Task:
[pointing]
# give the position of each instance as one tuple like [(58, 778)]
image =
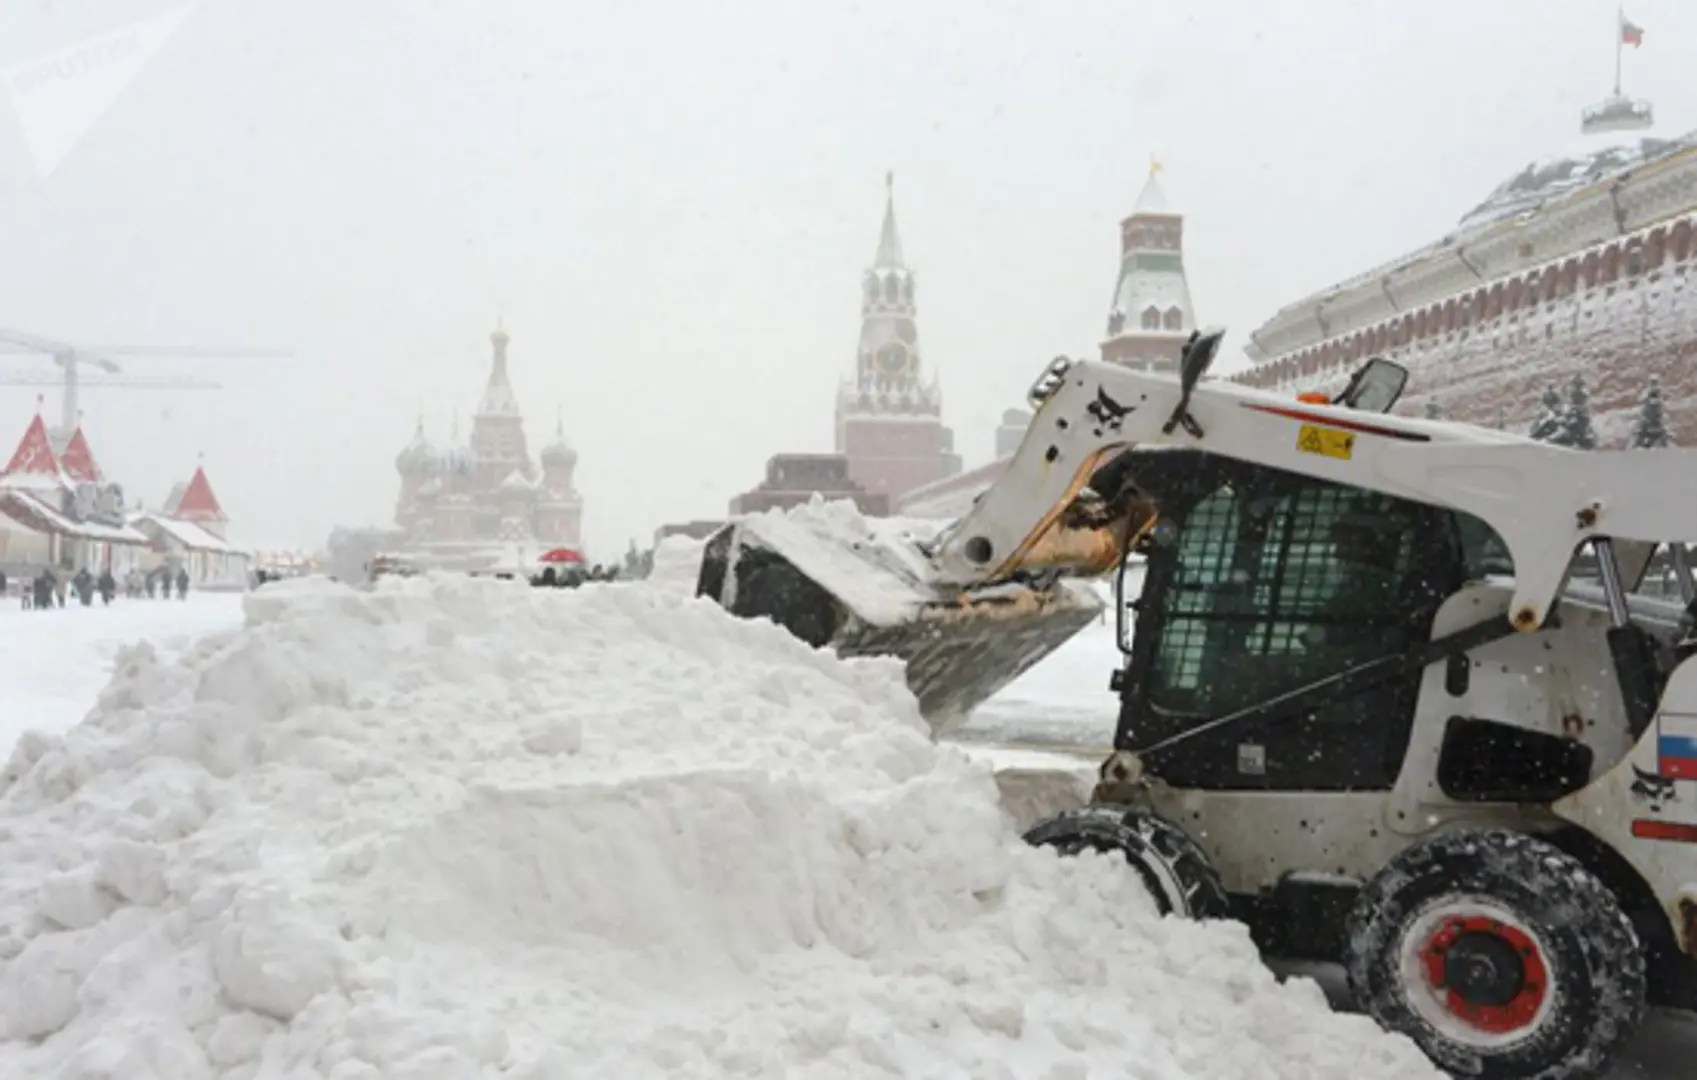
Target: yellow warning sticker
[(1327, 442)]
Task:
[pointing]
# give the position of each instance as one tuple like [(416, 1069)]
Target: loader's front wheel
[(1502, 956), (1173, 868)]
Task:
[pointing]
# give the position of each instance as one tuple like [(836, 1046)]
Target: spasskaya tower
[(889, 414)]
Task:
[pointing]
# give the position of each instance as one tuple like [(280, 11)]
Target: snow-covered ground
[(53, 664), (469, 829), (463, 828), (1063, 701)]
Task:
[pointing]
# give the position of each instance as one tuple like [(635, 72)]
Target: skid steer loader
[(1366, 707)]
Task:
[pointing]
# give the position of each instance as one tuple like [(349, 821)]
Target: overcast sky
[(670, 205)]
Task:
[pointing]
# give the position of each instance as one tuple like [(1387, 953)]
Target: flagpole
[(1620, 44)]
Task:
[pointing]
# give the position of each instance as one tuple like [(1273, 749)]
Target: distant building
[(1011, 432), (889, 414), (1579, 264), (470, 505), (194, 502), (60, 510), (1151, 315), (794, 479), (1149, 321), (349, 551), (187, 533)]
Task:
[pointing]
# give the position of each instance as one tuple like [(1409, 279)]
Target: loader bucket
[(869, 599)]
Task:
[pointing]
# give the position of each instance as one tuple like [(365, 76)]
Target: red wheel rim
[(1504, 1019)]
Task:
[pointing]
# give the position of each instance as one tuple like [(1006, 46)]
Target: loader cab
[(1260, 581)]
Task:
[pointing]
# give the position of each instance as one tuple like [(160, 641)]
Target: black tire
[(1501, 955), (1175, 870)]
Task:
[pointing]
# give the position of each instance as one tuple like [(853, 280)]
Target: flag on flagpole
[(1630, 33)]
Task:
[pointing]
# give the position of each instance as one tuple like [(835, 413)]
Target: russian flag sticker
[(1676, 745)]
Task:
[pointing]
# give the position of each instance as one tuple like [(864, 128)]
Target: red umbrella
[(561, 555)]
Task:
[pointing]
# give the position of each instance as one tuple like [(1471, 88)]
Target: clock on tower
[(893, 359)]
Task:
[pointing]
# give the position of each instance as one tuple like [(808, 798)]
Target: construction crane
[(71, 358)]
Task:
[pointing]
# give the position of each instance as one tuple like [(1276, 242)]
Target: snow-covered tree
[(1649, 429), (1547, 425), (1576, 429)]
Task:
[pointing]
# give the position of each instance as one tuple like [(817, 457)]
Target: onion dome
[(559, 453), (515, 485), (458, 459), (419, 457)]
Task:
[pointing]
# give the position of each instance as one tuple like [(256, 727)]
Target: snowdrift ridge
[(461, 828)]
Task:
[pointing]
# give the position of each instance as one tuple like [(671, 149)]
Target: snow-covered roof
[(515, 481), (77, 459), (50, 484), (1152, 200), (187, 533), (196, 499), (34, 457), (15, 502), (1588, 164), (1152, 279), (1578, 166)]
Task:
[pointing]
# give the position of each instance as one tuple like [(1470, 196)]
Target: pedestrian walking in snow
[(108, 585), (83, 583), (182, 584)]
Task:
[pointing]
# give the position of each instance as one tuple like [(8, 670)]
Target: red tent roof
[(35, 452), (78, 459), (198, 500)]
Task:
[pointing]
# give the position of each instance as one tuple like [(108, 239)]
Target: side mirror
[(1375, 387), (1198, 357), (1199, 353)]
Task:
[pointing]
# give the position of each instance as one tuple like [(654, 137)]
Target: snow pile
[(449, 828), (677, 565), (818, 529), (873, 565)]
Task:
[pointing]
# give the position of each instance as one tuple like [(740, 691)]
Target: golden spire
[(1154, 166)]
